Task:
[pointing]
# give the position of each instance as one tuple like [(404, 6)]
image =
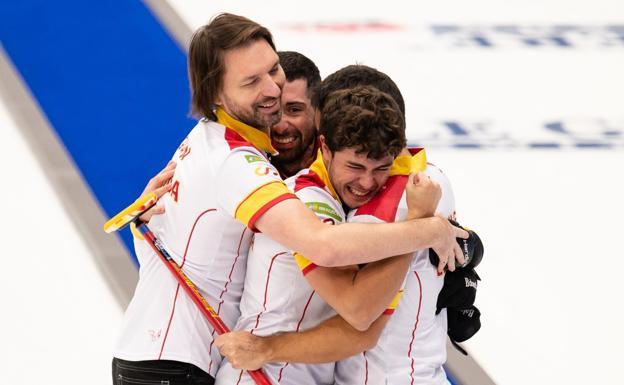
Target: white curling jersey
[(277, 297), (223, 183), (412, 347)]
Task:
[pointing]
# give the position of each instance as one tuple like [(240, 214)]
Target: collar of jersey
[(250, 134), (407, 164), (318, 167)]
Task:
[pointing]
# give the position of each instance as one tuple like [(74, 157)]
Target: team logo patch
[(262, 171), (184, 149), (324, 209), (253, 158)]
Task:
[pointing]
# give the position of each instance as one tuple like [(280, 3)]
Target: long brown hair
[(206, 56)]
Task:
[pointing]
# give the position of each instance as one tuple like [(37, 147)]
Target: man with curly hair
[(414, 328), (224, 190), (361, 133)]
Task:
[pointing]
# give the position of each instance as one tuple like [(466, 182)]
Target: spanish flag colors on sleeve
[(247, 183), (395, 302), (305, 265)]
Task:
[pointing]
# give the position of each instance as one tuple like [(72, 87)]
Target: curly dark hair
[(357, 75), (365, 119)]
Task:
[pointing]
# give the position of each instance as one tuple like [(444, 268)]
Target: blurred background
[(521, 103)]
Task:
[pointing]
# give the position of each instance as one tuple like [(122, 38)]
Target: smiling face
[(295, 133), (252, 85), (355, 177)]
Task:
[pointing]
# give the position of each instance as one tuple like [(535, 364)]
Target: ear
[(325, 151), (219, 100)]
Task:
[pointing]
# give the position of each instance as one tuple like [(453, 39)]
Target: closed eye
[(251, 82)]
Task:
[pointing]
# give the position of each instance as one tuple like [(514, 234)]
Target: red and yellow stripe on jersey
[(260, 200), (266, 195), (317, 176), (395, 302), (305, 265), (250, 135)]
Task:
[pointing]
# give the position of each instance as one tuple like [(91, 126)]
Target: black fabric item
[(463, 323), (158, 372), (459, 290), (474, 244), (472, 248)]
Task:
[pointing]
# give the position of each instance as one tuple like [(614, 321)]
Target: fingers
[(162, 179), (160, 191), (423, 195), (415, 177), (442, 263), (452, 256), (239, 348), (459, 255), (451, 262), (220, 341), (157, 209), (169, 167), (460, 233)]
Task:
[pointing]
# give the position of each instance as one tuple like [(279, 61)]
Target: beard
[(254, 117), (296, 153)]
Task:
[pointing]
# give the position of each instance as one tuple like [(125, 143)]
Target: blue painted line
[(111, 82), (468, 145), (544, 145), (451, 378), (593, 145)]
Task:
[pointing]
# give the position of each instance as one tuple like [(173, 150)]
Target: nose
[(272, 89), (274, 84), (367, 181), (281, 126)]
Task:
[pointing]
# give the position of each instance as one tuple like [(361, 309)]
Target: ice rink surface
[(59, 315), (550, 218)]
